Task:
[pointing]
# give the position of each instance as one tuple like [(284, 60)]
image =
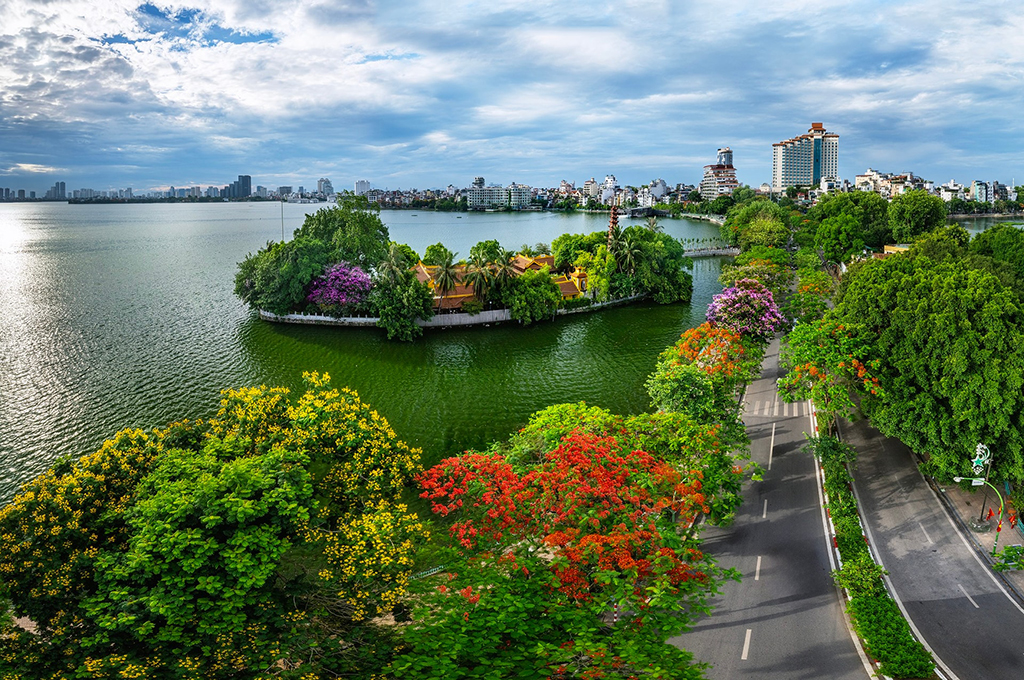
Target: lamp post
[(978, 482)]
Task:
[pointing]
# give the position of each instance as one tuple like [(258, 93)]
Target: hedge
[(876, 618)]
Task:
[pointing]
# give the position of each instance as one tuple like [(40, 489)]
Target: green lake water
[(114, 316)]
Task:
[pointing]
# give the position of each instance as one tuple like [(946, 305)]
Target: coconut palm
[(652, 223), (503, 270), (394, 266), (445, 277), (630, 252), (480, 275)]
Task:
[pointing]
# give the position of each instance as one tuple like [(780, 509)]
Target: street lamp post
[(978, 482)]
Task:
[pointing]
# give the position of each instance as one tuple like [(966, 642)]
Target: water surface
[(123, 315)]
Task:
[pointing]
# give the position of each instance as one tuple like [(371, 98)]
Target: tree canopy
[(913, 213), (272, 536)]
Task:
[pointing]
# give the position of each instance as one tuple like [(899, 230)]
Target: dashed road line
[(968, 596), (746, 646)]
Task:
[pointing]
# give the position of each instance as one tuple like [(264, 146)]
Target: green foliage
[(949, 341), (532, 296), (437, 253), (771, 230), (271, 534), (353, 228), (839, 238), (763, 254), (914, 213), (1002, 242), (1010, 557), (410, 255), (767, 232), (278, 276), (472, 306), (828, 362), (876, 617), (809, 301), (486, 251), (398, 304), (868, 210)]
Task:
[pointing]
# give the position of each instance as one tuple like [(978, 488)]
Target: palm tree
[(504, 272), (630, 251), (394, 266), (446, 277), (480, 275), (652, 223)]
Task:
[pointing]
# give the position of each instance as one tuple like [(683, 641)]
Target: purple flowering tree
[(341, 288), (747, 308)]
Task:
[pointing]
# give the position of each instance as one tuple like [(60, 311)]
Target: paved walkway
[(960, 608)]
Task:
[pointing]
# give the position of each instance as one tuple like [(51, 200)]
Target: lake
[(121, 316)]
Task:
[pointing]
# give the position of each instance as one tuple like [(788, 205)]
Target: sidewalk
[(965, 507)]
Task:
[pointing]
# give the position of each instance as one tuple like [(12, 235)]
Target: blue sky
[(108, 94)]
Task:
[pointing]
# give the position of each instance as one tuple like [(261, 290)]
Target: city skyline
[(413, 94)]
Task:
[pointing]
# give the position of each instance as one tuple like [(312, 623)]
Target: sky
[(110, 94)]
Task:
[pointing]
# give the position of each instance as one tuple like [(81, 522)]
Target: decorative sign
[(982, 455), (977, 482)]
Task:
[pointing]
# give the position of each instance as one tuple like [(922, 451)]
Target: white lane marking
[(764, 513), (804, 409), (771, 447), (965, 595), (746, 646), (925, 533), (785, 409), (757, 569), (776, 407), (892, 588)]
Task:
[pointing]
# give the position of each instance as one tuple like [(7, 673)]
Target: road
[(956, 603), (785, 619)]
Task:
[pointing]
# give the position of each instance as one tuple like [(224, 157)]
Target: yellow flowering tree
[(268, 541)]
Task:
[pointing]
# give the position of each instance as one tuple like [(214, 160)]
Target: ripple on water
[(123, 316)]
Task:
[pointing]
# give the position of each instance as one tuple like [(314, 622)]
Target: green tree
[(913, 213), (395, 265), (868, 208), (761, 231), (277, 277), (270, 537), (446, 276), (353, 228), (739, 219), (839, 238), (949, 340), (532, 296), (487, 251), (480, 275), (1003, 242), (398, 304), (436, 254)]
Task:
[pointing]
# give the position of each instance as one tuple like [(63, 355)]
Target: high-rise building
[(362, 187), (720, 177), (478, 182), (324, 186), (806, 160)]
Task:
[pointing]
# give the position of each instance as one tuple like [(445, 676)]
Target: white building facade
[(806, 160)]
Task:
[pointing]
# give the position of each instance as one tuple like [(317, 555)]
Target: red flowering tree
[(586, 541), (701, 376)]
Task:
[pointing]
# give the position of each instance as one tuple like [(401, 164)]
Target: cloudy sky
[(409, 93)]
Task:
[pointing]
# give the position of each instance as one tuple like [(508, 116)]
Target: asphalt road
[(956, 603), (785, 619)]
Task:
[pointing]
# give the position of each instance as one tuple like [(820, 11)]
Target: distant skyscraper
[(244, 187), (362, 187), (719, 178), (324, 186), (806, 160), (478, 182)]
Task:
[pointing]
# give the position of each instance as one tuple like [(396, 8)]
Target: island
[(342, 268)]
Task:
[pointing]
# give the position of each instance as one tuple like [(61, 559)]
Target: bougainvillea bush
[(342, 288), (748, 308)]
